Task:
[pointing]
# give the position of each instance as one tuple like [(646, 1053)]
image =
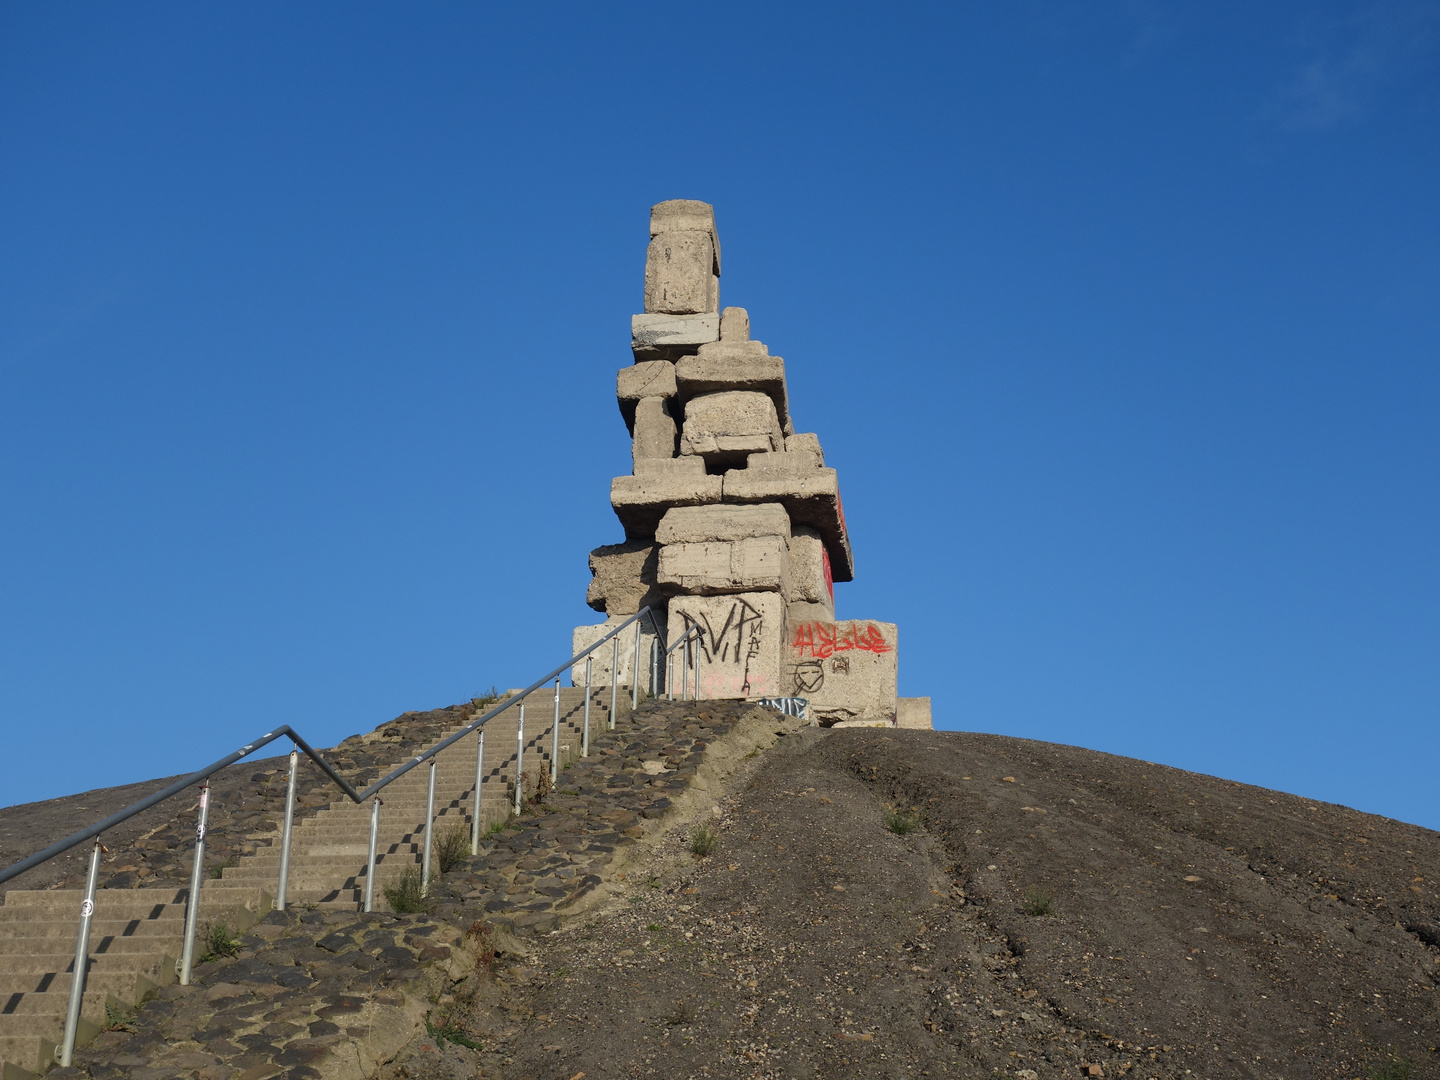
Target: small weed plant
[(218, 870), (702, 841), (119, 1018), (405, 894), (1037, 902), (452, 847), (901, 822), (1389, 1067), (484, 940), (447, 1029), (489, 697), (221, 940)]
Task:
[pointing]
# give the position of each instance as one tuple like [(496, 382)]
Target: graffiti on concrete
[(823, 640), (809, 677), (737, 642)]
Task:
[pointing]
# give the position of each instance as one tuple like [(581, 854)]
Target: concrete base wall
[(847, 669), (742, 641)]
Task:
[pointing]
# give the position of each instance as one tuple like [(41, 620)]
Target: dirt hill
[(1060, 913), (902, 904)]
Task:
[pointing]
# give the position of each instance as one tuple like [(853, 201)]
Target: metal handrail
[(685, 684), (178, 786), (65, 1051)]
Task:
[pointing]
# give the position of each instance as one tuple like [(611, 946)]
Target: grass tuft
[(489, 697), (221, 940), (1389, 1067), (1037, 902), (901, 822), (452, 847), (702, 840), (405, 895)]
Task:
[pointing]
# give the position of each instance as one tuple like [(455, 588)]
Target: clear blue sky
[(1119, 320)]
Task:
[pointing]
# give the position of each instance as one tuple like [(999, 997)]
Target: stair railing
[(688, 640), (64, 1053)]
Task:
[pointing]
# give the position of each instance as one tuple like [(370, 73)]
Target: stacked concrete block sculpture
[(733, 522)]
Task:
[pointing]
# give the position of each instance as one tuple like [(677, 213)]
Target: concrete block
[(697, 524), (649, 378), (806, 441), (682, 215), (584, 636), (688, 468), (800, 611), (735, 365), (812, 500), (914, 712), (847, 670), (734, 324), (624, 578), (810, 578), (742, 641), (680, 277), (755, 564), (640, 501), (667, 337), (725, 428), (654, 430), (784, 463)]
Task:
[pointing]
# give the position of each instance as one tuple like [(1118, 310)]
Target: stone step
[(64, 947), (128, 987), (28, 968), (24, 1056), (66, 929)]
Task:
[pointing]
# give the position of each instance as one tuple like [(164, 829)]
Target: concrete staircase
[(137, 934), (135, 938), (328, 851)]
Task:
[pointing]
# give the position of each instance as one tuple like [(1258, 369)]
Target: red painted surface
[(822, 640), (829, 577)]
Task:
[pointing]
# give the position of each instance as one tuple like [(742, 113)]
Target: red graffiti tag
[(824, 640)]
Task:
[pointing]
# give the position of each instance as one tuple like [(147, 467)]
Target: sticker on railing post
[(87, 908), (199, 832)]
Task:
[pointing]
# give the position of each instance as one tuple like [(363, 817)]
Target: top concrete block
[(734, 324), (686, 215), (680, 276)]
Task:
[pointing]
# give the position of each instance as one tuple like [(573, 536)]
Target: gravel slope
[(1197, 928)]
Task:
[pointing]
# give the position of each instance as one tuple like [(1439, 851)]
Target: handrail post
[(685, 668), (555, 739), (285, 834), (520, 760), (370, 860), (197, 874), (585, 736), (479, 779), (429, 829), (614, 676), (66, 1050), (635, 670), (697, 667), (669, 677), (655, 665)]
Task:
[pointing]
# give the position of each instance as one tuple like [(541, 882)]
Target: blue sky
[(1119, 321)]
